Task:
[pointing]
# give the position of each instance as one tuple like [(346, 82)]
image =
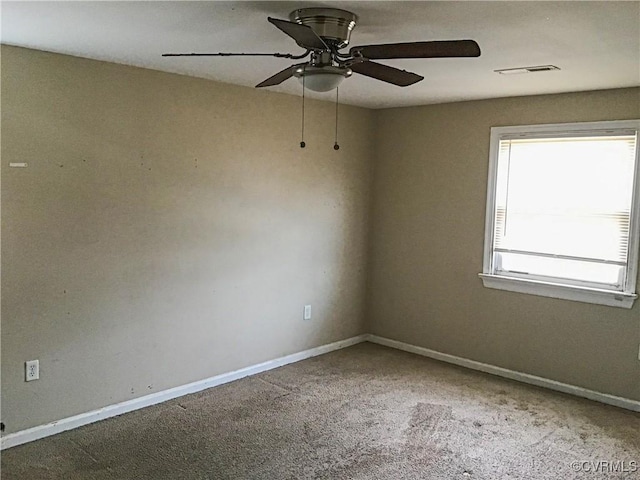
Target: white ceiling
[(596, 44)]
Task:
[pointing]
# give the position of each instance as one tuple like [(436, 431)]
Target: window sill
[(555, 290)]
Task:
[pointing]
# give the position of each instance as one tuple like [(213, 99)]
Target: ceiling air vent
[(536, 68)]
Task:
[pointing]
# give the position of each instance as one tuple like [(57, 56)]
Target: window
[(563, 211)]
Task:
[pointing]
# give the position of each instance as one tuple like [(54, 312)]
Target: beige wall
[(166, 230), (427, 243), (169, 229)]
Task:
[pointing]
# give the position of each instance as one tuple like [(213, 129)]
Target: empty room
[(320, 240)]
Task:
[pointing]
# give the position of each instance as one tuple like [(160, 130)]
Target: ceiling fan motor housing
[(333, 25)]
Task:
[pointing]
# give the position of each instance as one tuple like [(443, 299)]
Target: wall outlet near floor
[(32, 370), (307, 312)]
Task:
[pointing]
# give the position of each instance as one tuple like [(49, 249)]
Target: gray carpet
[(366, 412)]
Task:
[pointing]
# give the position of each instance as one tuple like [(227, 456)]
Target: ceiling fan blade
[(278, 78), (388, 74), (447, 48), (302, 34), (223, 54)]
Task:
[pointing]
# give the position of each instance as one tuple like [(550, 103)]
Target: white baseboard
[(41, 431), (621, 402)]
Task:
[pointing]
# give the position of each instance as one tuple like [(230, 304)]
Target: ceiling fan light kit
[(321, 79)]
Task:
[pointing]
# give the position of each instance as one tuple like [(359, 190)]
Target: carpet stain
[(425, 418)]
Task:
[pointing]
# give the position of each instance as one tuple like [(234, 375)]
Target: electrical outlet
[(307, 312), (32, 370)]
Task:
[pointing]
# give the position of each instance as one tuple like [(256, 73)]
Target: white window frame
[(570, 290)]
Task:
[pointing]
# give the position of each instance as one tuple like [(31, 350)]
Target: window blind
[(563, 205)]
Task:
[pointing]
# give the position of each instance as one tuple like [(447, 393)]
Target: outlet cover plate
[(32, 370), (307, 312)]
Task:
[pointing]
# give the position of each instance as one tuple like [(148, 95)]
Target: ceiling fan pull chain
[(335, 145), (302, 144)]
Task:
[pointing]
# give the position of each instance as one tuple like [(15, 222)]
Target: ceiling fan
[(323, 32)]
